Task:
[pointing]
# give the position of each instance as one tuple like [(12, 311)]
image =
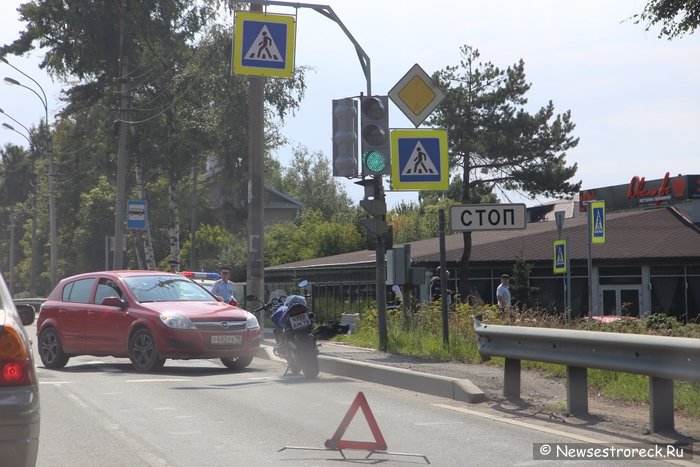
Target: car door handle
[(92, 313)]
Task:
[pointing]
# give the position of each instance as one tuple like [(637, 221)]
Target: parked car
[(19, 391), (147, 316)]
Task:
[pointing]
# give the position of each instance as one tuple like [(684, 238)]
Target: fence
[(663, 359)]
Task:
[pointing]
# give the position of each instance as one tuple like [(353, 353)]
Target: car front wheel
[(237, 363), (50, 349), (143, 353)]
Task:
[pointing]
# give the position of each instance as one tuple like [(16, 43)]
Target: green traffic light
[(374, 161)]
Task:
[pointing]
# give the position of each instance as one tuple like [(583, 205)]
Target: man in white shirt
[(503, 294), (223, 288)]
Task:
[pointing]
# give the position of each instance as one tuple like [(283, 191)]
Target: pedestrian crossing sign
[(264, 44), (419, 160), (560, 256), (597, 213)]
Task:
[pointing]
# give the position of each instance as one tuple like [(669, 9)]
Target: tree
[(419, 222), (309, 179), (185, 109), (677, 17), (94, 224), (495, 142), (314, 237), (520, 283)]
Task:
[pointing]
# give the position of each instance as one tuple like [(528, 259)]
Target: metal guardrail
[(662, 358), (33, 302)]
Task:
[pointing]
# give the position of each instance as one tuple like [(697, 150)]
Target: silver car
[(19, 390)]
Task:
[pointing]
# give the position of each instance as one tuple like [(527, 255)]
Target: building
[(649, 263)]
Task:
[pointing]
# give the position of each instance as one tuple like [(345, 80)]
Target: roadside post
[(596, 234), (443, 281), (562, 262)]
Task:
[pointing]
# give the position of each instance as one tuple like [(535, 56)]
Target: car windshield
[(166, 289)]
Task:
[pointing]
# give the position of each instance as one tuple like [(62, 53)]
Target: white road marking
[(512, 421), (56, 382), (158, 380), (544, 429)]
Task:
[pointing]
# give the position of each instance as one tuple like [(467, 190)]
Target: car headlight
[(176, 320), (251, 322)]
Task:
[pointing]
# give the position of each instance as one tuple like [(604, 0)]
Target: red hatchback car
[(148, 316)]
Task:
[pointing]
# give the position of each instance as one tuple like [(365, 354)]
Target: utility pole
[(12, 250), (255, 271), (121, 151)]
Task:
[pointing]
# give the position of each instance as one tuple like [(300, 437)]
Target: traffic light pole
[(328, 12), (380, 252), (380, 256)]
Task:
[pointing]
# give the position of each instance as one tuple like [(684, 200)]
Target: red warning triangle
[(337, 443)]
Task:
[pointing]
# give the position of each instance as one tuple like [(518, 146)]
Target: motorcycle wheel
[(293, 362), (294, 368), (309, 361), (311, 368)]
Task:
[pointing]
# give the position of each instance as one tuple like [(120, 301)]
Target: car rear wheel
[(237, 363), (143, 353), (50, 349)]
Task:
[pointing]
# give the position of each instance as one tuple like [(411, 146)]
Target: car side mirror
[(114, 301), (26, 314)]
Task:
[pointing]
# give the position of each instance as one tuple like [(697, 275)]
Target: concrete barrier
[(435, 385)]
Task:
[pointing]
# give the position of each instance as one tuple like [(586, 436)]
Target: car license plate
[(233, 339), (299, 321)]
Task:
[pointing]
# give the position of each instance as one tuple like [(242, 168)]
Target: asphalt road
[(98, 411)]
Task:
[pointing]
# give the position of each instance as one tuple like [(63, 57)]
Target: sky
[(633, 96)]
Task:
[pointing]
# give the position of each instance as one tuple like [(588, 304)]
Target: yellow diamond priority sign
[(416, 95)]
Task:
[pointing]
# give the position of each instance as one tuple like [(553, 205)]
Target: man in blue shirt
[(223, 288)]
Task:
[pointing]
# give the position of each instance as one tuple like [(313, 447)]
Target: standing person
[(503, 295), (223, 288), (173, 264), (436, 286)]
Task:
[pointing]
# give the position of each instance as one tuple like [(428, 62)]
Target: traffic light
[(375, 205), (345, 138), (374, 135)]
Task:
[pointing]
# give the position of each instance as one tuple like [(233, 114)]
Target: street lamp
[(52, 169), (34, 244), (11, 128)]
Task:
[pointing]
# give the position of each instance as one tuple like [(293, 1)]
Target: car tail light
[(15, 363)]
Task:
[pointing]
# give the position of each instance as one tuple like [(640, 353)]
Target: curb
[(442, 386)]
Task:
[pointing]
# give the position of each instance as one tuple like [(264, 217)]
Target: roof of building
[(640, 235)]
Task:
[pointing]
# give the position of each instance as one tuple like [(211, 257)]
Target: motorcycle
[(295, 341)]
